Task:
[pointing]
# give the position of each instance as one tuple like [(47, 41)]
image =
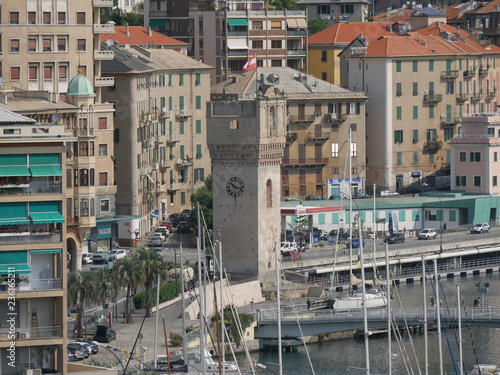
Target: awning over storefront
[(14, 261), (46, 217), (14, 171), (157, 23), (46, 170), (52, 251), (237, 44), (237, 22)]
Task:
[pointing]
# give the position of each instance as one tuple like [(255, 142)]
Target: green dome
[(80, 86)]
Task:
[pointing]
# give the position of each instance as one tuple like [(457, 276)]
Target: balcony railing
[(158, 14), (12, 238), (318, 135), (174, 186), (453, 120), (491, 94), (433, 98), (33, 333), (237, 53), (469, 73), (335, 117), (477, 96), (483, 71), (301, 118), (291, 137), (296, 52), (103, 3), (173, 138), (31, 188), (37, 284), (183, 163), (184, 113), (463, 97), (449, 74), (104, 28), (305, 161), (104, 81), (296, 32), (104, 55)]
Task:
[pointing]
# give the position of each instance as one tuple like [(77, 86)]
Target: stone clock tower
[(246, 138)]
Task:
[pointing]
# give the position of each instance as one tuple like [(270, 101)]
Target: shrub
[(168, 291)]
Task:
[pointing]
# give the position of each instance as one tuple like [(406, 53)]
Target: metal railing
[(37, 284), (29, 237), (32, 188)]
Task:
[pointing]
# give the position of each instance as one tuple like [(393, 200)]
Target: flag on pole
[(250, 64), (358, 265)]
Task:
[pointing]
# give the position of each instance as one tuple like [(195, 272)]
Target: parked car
[(291, 255), (158, 250), (387, 193), (480, 228), (323, 235), (297, 200), (163, 230), (104, 334), (159, 235), (79, 351), (86, 258), (361, 196), (155, 241), (71, 356), (289, 246), (119, 253), (342, 234), (182, 227), (94, 345), (85, 345), (314, 198), (427, 234), (355, 243), (187, 212), (395, 238)]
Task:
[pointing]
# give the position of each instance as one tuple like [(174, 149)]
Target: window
[(324, 76), (46, 18), (462, 156), (103, 149), (170, 83), (415, 66), (335, 150), (398, 136), (82, 69), (415, 111), (399, 158), (31, 18), (431, 88), (415, 136), (495, 181), (197, 80), (181, 79), (431, 65), (256, 25), (276, 62), (450, 87), (448, 134), (431, 111), (198, 102), (181, 102), (83, 149), (347, 8), (461, 180), (354, 127), (477, 180), (63, 72), (84, 177), (80, 18), (61, 18), (415, 88), (181, 127), (354, 149), (399, 113), (495, 156), (398, 66), (104, 205), (103, 122), (354, 108), (81, 45), (415, 157), (431, 134), (32, 44), (48, 71), (275, 25), (475, 156), (14, 46), (14, 18), (399, 89), (324, 56), (61, 44), (47, 44), (198, 126), (33, 71), (257, 44), (183, 197), (199, 154), (275, 43), (199, 175), (103, 178), (323, 9), (15, 73)]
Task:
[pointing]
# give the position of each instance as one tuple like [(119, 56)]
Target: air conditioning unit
[(24, 335), (32, 371)]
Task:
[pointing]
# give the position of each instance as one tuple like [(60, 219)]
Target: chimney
[(150, 32), (127, 31)]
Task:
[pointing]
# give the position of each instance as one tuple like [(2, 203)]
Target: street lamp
[(441, 218)]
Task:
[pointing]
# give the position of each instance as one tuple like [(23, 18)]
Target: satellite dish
[(164, 110), (296, 75), (404, 6), (413, 3), (430, 5), (46, 273), (179, 161), (127, 46), (110, 42), (55, 118)]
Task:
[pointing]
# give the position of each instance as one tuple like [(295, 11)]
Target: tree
[(152, 265), (316, 25), (204, 196), (106, 286), (284, 4), (81, 291), (301, 223), (129, 274)]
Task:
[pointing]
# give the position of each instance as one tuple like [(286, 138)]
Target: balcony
[(491, 94), (335, 117), (104, 81), (159, 14), (237, 53), (300, 33), (30, 333), (463, 97), (173, 139), (475, 97), (42, 186), (304, 162), (182, 113), (453, 120), (318, 136), (297, 52), (104, 55), (30, 236), (104, 28), (301, 118), (483, 71), (433, 98), (237, 33), (103, 3), (449, 74), (174, 187), (29, 285), (291, 137), (469, 73), (184, 163)]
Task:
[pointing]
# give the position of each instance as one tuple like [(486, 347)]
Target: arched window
[(273, 127), (269, 194)]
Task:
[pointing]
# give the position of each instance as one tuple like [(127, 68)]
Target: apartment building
[(316, 159), (484, 20), (336, 11), (225, 35), (51, 65), (160, 131), (33, 249), (474, 165), (420, 85)]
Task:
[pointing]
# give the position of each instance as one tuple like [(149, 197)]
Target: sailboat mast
[(350, 206), (278, 298), (223, 326), (426, 341), (363, 288), (200, 278), (388, 296), (183, 306)]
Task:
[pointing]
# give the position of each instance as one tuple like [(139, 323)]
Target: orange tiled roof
[(396, 16), (488, 8), (347, 32), (413, 45), (138, 36)]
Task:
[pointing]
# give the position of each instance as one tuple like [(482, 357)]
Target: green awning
[(295, 57), (46, 170), (157, 23), (14, 221), (237, 22), (46, 217), (14, 171), (13, 213), (16, 268), (17, 261), (52, 251)]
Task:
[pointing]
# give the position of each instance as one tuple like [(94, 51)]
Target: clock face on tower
[(235, 186)]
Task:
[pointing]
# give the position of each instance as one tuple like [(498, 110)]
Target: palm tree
[(81, 291), (152, 265), (106, 286), (129, 274)]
